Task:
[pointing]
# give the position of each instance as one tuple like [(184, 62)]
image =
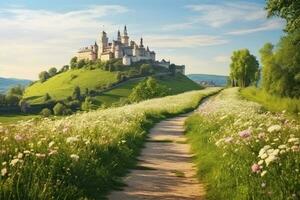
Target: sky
[(201, 34)]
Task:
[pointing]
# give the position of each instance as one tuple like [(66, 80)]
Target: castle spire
[(119, 36), (125, 31), (141, 43)]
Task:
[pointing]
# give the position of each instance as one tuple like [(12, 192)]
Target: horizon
[(201, 36)]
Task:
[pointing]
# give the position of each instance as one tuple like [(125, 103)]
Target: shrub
[(88, 104), (76, 93), (46, 112), (46, 97), (43, 76), (59, 109), (52, 71), (146, 69)]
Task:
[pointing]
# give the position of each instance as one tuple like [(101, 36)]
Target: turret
[(103, 43), (141, 43), (119, 36), (125, 38)]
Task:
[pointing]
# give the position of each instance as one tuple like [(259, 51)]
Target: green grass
[(176, 85), (271, 102), (62, 85), (13, 118)]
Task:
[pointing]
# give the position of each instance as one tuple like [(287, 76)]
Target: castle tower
[(125, 38), (119, 36), (141, 43), (103, 43)]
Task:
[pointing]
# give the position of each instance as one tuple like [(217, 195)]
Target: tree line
[(280, 70)]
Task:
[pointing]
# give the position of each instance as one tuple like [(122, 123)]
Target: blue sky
[(36, 35)]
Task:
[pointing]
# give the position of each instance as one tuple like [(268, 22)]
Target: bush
[(43, 76), (46, 112), (146, 69), (52, 71), (88, 104), (59, 109), (46, 97), (81, 63)]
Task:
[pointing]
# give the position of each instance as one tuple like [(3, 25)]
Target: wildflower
[(52, 152), (255, 168), (26, 152), (20, 155), (245, 133), (263, 185), (74, 157), (295, 148), (51, 144), (72, 139), (260, 162), (3, 172), (270, 159), (263, 173), (274, 128), (283, 146), (18, 138), (261, 135), (40, 155), (14, 162), (294, 140), (4, 163), (228, 139)]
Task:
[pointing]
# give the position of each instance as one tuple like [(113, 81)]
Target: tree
[(146, 69), (147, 89), (73, 63), (43, 76), (281, 66), (46, 112), (76, 93), (286, 9), (243, 68), (88, 104), (59, 109), (12, 100), (52, 71), (46, 97), (24, 105), (16, 90), (81, 63), (119, 76)]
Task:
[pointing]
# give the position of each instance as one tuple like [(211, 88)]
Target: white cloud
[(217, 15), (222, 59), (33, 40), (181, 41), (273, 24)]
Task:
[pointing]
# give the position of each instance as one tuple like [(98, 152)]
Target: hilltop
[(107, 82)]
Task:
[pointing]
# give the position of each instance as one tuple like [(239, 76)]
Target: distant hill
[(6, 83), (218, 80)]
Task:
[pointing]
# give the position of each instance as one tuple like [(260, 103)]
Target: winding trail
[(165, 169)]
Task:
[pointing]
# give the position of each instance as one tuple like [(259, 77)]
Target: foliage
[(80, 156), (43, 76), (147, 89), (272, 102), (281, 66), (76, 93), (11, 100), (239, 146), (16, 90), (88, 104), (81, 63), (47, 97), (243, 68), (60, 109), (286, 9), (24, 105), (52, 71), (146, 69), (46, 112), (73, 63)]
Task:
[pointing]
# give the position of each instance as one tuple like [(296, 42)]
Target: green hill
[(176, 84), (62, 85)]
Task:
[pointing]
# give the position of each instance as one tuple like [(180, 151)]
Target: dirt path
[(165, 169)]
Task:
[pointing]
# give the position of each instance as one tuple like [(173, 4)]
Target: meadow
[(272, 102), (81, 156), (243, 151)]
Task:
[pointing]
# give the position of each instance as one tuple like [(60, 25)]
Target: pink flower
[(255, 168), (245, 133)]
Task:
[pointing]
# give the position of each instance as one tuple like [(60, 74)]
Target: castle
[(129, 52)]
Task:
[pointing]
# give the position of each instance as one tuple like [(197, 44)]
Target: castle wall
[(87, 55)]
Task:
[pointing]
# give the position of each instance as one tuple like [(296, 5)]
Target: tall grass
[(243, 152), (272, 102), (83, 155)]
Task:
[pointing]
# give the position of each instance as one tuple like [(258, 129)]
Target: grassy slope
[(62, 85), (270, 102), (177, 84)]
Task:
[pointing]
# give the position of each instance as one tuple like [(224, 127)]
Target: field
[(61, 86), (243, 151), (13, 118), (176, 85), (271, 102), (83, 155)]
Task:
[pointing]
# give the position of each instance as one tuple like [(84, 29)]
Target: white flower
[(3, 172), (40, 155), (51, 144), (274, 128), (270, 159), (72, 139), (14, 162), (4, 163), (263, 173), (20, 155), (260, 162), (294, 140), (283, 146), (74, 157)]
